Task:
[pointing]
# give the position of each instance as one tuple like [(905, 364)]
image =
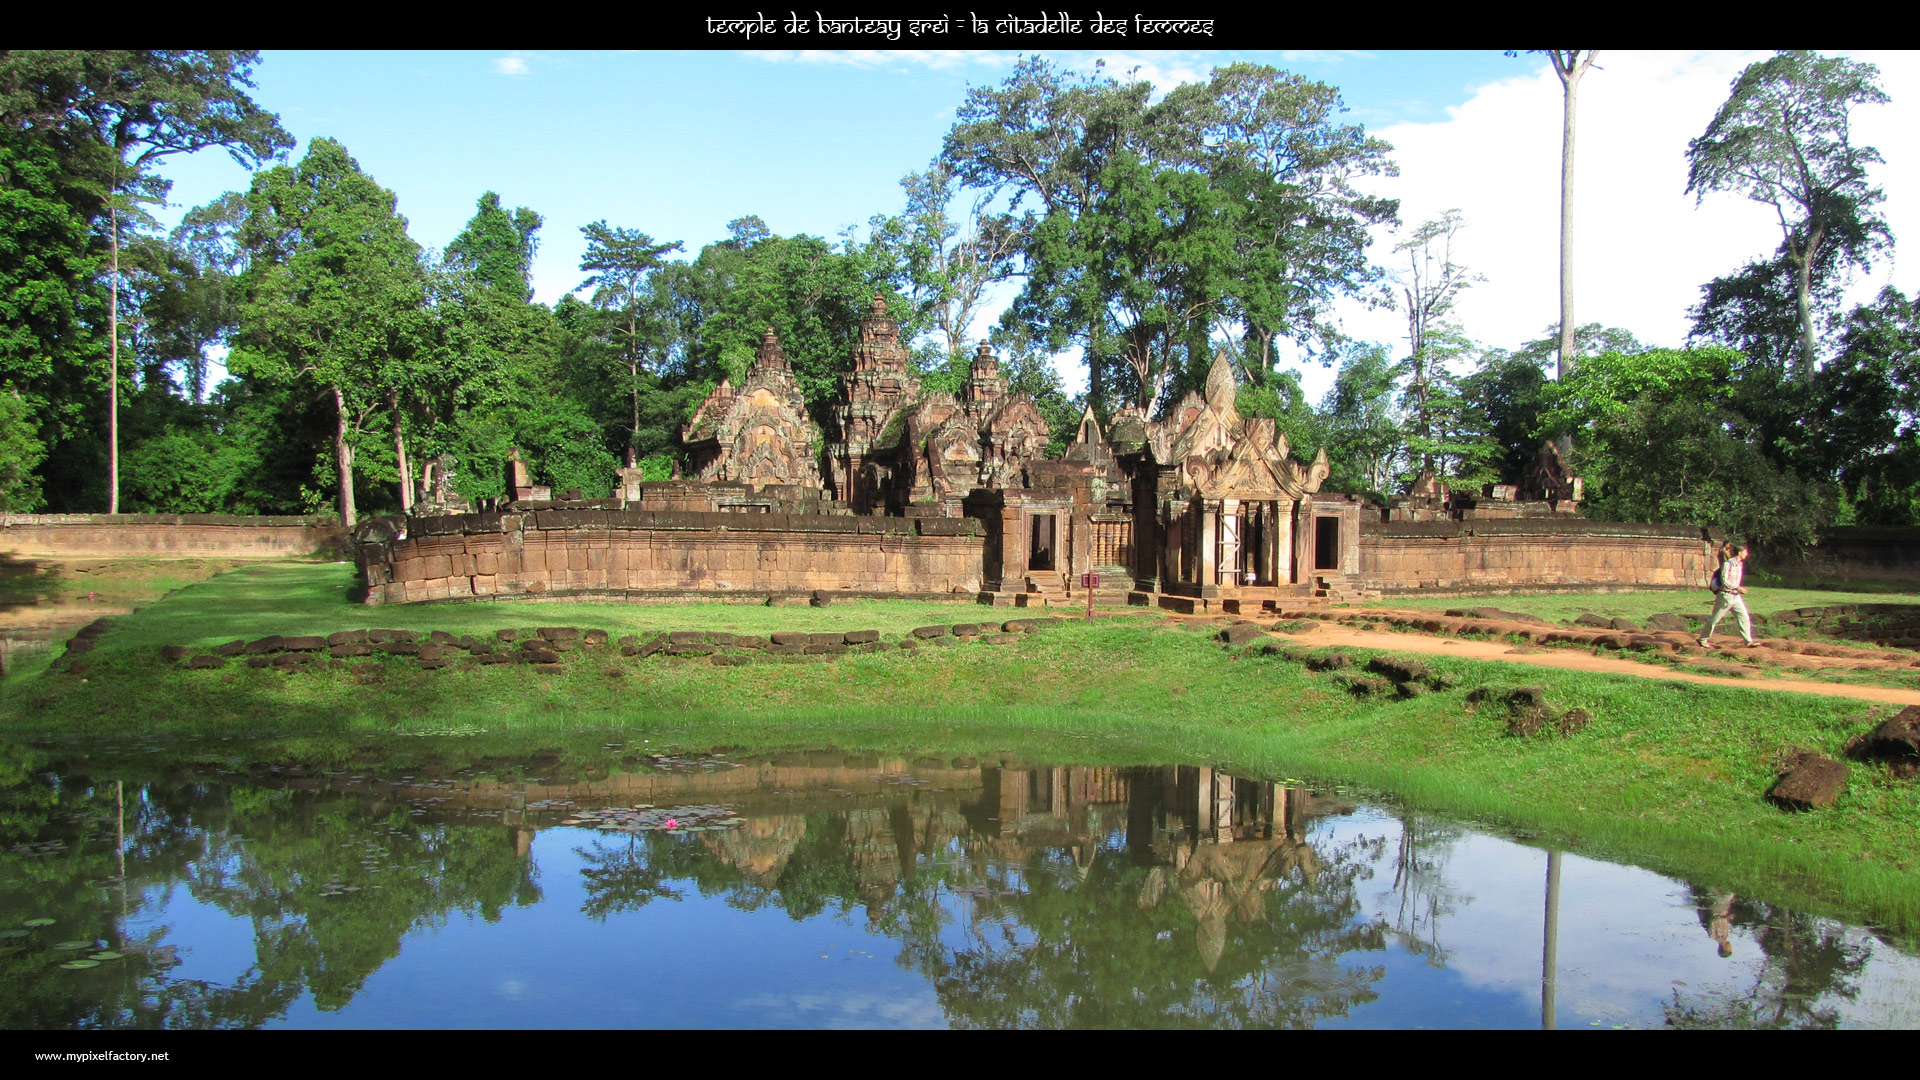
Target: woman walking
[(1729, 588)]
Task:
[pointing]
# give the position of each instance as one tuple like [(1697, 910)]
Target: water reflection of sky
[(1434, 925)]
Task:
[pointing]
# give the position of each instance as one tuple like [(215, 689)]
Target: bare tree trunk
[(1804, 283), (400, 455), (113, 366), (1567, 359), (1569, 68), (633, 381), (343, 458)]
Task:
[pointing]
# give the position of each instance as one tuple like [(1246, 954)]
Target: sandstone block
[(346, 636), (1812, 783), (928, 633), (560, 633), (268, 644), (594, 637), (173, 652), (1240, 633), (825, 649), (824, 639), (393, 635), (351, 648), (861, 637)]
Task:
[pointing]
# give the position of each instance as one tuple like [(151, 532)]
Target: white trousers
[(1736, 603)]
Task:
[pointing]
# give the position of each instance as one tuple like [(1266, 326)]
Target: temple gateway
[(938, 493)]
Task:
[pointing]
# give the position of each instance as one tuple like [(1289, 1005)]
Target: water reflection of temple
[(1216, 843)]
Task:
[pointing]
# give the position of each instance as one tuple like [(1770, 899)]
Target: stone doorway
[(1326, 543), (1043, 543)]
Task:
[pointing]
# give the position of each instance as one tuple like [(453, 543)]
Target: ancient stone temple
[(950, 494), (757, 433)]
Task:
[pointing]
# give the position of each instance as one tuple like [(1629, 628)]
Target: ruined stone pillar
[(1283, 542), (1302, 539), (1209, 541)]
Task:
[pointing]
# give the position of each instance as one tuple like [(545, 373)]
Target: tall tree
[(948, 262), (142, 106), (1783, 138), (1285, 167), (1431, 288), (1569, 65), (1048, 134), (496, 248), (621, 261), (334, 292)]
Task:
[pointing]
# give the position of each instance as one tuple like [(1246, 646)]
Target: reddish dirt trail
[(1577, 660)]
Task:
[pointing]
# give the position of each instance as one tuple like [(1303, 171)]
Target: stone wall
[(586, 552), (111, 536), (1850, 554), (1530, 553)]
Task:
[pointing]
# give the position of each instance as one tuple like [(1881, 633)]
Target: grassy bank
[(1669, 775)]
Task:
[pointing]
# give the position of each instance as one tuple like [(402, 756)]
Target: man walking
[(1729, 592)]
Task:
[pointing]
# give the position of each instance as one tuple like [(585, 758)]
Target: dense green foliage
[(1148, 231)]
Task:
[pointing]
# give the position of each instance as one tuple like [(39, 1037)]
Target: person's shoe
[(1753, 644), (1705, 644)]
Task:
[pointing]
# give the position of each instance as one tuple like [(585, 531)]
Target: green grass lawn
[(1668, 775)]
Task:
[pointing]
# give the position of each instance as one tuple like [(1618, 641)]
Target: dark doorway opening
[(1040, 551), (1326, 543)]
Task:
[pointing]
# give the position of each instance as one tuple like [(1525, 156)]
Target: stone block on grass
[(1241, 633), (352, 648), (174, 652), (930, 633), (346, 637), (393, 635), (861, 637), (1809, 784), (270, 643), (304, 643)]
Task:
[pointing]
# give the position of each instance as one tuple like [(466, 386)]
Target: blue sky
[(677, 144)]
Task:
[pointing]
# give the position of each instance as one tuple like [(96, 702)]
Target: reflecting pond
[(198, 887)]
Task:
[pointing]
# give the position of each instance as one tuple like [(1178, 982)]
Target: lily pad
[(108, 955), (38, 922), (74, 945), (80, 965), (10, 934)]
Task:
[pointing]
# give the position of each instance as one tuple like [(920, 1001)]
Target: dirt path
[(1329, 634)]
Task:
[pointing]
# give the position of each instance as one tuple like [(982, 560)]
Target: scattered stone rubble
[(543, 648)]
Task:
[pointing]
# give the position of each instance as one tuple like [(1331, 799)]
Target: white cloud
[(511, 65), (1642, 248)]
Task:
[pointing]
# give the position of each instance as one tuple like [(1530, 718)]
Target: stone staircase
[(1333, 587), (1045, 589)]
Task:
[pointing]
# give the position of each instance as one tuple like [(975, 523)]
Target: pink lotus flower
[(672, 824)]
